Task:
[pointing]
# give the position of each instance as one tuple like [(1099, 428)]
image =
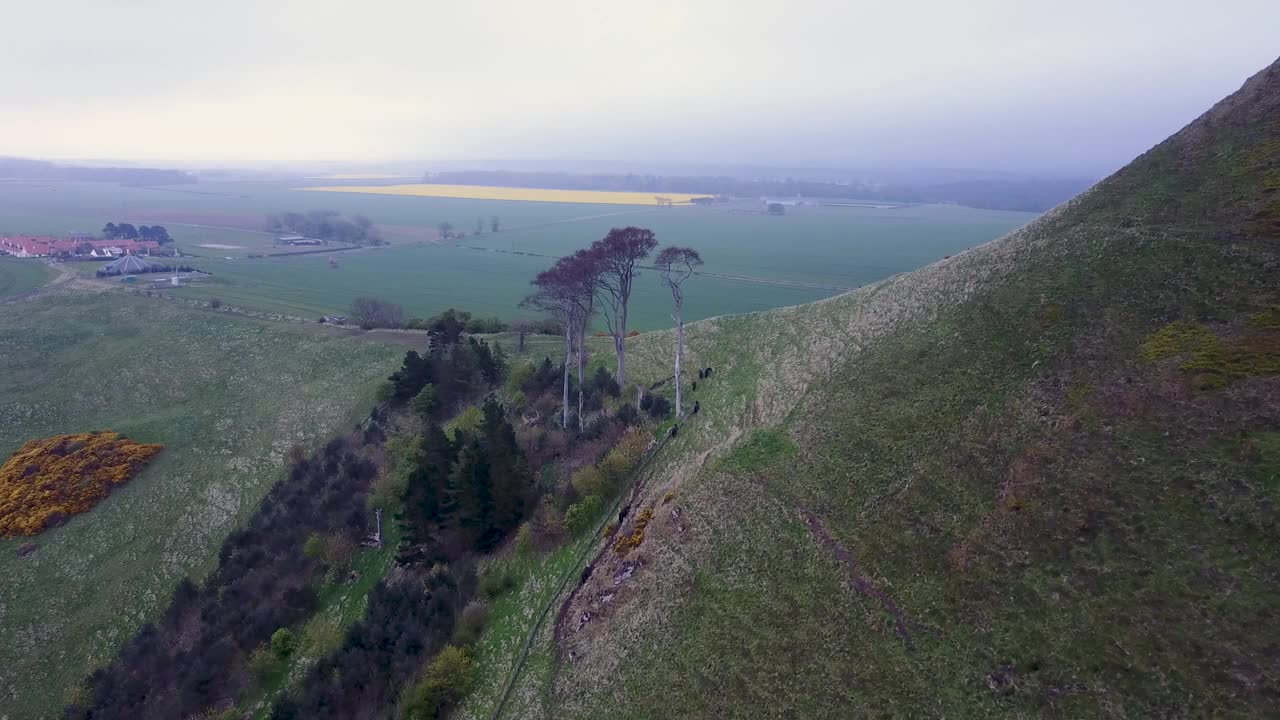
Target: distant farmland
[(754, 261), (492, 192)]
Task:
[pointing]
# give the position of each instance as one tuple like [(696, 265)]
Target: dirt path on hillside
[(860, 581)]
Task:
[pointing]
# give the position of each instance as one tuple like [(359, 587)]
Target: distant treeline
[(325, 225), (1029, 195), (21, 169)]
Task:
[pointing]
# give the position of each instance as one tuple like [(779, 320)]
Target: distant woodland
[(325, 225), (21, 169)]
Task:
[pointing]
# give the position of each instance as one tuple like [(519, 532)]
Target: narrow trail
[(860, 581), (574, 571)]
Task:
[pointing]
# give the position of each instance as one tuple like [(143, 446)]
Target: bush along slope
[(198, 656), (1035, 479)]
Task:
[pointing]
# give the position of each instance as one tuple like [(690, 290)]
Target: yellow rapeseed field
[(488, 192)]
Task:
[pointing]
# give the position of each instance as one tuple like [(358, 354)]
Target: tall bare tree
[(676, 265), (581, 274), (566, 290), (617, 256)]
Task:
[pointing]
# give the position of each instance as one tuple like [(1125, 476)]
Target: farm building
[(297, 240), (129, 265)]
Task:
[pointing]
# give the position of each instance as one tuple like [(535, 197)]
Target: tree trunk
[(582, 363), (620, 345), (679, 352), (568, 358)]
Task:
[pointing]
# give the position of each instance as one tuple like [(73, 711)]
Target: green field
[(808, 254), (157, 372), (20, 276)]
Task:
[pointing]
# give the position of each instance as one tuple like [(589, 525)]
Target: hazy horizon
[(1074, 90)]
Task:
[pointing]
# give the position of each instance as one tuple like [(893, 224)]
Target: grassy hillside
[(1038, 478), (227, 397), (21, 276)]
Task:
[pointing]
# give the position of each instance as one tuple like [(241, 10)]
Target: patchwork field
[(492, 192), (753, 261), (155, 372)]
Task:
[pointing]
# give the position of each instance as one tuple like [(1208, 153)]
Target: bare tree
[(566, 290), (581, 274), (616, 257), (676, 265), (521, 327)]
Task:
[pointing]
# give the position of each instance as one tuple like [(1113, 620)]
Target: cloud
[(980, 84)]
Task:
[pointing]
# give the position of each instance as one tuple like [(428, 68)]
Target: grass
[(155, 372), (488, 192), (1066, 524), (19, 276)]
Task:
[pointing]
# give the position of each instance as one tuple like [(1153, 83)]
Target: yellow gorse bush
[(64, 475)]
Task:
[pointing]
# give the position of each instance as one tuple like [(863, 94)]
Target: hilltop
[(1037, 478)]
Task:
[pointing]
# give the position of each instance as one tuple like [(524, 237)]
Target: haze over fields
[(1008, 86), (711, 359)]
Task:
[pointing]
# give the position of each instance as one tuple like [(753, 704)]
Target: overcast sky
[(1078, 86)]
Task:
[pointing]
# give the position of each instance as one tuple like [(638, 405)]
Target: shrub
[(524, 540), (578, 517), (659, 407), (424, 403), (314, 546), (215, 303), (321, 637), (467, 421), (627, 414), (587, 481), (385, 391), (627, 543), (64, 475), (604, 383), (471, 623), (445, 682), (339, 549), (262, 663), (283, 643), (495, 583), (615, 468)]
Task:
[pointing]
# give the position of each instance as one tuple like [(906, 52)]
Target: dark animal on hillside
[(673, 431), (696, 407), (693, 386), (622, 515)]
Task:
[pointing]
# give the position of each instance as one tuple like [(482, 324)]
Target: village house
[(30, 246)]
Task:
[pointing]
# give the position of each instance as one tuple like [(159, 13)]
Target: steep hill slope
[(1037, 478)]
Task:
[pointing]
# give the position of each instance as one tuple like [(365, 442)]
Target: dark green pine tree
[(427, 501), (473, 494), (509, 471)]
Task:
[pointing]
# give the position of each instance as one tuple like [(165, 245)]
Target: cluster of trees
[(467, 492), (370, 313), (451, 373), (199, 652), (1025, 194), (600, 279), (328, 225), (449, 232), (125, 231), (409, 618)]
